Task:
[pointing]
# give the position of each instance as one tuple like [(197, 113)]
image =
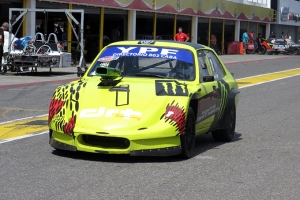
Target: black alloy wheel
[(296, 51)]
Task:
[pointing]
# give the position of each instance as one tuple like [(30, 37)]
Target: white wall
[(260, 3)]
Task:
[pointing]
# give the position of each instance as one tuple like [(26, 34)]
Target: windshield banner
[(113, 53)]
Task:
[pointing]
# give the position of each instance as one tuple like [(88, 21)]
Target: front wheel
[(296, 51), (188, 138), (262, 50), (226, 135)]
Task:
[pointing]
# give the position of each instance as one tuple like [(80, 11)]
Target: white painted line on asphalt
[(16, 120), (22, 137), (268, 81), (17, 89)]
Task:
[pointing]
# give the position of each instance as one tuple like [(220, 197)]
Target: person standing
[(282, 35), (180, 36), (288, 36), (272, 35), (115, 35), (58, 33), (245, 38), (259, 40), (213, 40), (3, 28), (251, 36)]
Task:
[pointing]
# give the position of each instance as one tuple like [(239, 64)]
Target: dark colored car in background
[(285, 46)]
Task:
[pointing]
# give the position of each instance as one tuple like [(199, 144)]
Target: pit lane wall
[(223, 9)]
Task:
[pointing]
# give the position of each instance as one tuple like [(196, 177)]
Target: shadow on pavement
[(203, 143)]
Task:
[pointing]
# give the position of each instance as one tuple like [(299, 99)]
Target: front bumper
[(62, 146), (162, 146)]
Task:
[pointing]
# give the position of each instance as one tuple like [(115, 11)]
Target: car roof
[(166, 43)]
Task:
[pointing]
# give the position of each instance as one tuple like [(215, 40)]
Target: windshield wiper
[(149, 75)]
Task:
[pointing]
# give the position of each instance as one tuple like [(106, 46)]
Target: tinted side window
[(216, 66), (204, 67)]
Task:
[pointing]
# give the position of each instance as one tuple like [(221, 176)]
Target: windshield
[(147, 61)]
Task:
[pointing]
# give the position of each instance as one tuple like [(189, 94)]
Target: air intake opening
[(106, 142)]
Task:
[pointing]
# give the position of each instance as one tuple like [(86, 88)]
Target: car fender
[(193, 101), (224, 122)]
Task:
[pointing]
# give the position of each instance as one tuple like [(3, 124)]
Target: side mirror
[(208, 78), (80, 72)]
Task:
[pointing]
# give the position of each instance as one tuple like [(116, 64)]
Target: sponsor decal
[(148, 52), (108, 59), (207, 113), (114, 52), (175, 116), (281, 47), (170, 88), (213, 103), (110, 112), (208, 105), (146, 42)]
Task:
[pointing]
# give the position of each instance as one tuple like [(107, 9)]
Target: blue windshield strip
[(148, 52)]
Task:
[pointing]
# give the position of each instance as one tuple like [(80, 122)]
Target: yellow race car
[(145, 98)]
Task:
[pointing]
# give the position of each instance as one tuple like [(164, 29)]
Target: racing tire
[(13, 69), (189, 137), (296, 51), (262, 50), (226, 135), (3, 70)]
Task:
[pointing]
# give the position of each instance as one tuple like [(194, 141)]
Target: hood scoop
[(109, 76)]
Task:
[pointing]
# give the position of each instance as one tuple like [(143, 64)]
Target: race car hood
[(132, 104)]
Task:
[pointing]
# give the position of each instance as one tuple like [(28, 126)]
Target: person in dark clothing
[(58, 33), (272, 35), (3, 28), (258, 41), (115, 35)]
